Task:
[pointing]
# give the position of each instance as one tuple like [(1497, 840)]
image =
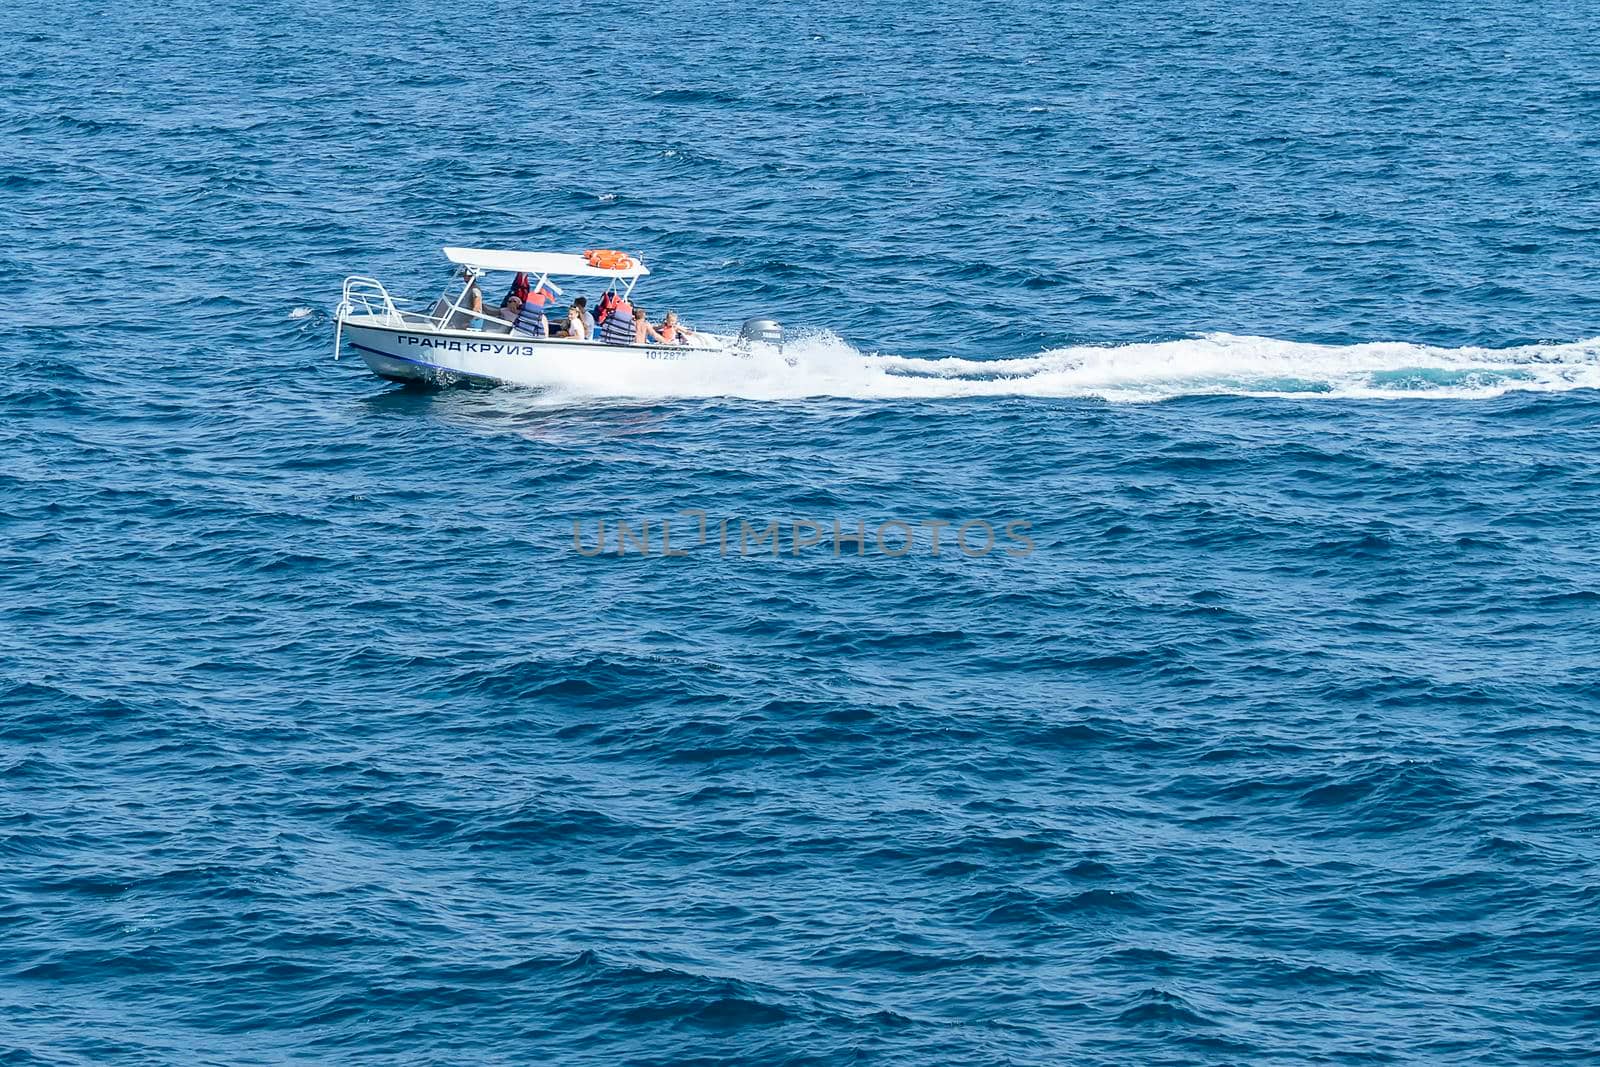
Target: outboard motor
[(763, 331)]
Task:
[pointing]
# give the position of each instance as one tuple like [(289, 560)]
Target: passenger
[(588, 320), (674, 332), (643, 332), (616, 325), (500, 319), (471, 302), (531, 320), (576, 329)]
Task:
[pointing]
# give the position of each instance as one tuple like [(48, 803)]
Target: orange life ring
[(608, 259)]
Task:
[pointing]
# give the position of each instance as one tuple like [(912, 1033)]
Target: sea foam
[(820, 364)]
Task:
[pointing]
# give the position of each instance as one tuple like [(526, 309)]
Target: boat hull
[(464, 357)]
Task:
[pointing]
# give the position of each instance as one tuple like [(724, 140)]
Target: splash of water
[(822, 365)]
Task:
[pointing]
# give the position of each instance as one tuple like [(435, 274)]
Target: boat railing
[(367, 296)]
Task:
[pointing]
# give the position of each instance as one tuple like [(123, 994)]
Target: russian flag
[(544, 293)]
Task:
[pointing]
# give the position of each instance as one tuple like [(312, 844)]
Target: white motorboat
[(449, 342)]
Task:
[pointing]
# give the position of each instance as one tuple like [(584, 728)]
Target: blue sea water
[(1268, 733)]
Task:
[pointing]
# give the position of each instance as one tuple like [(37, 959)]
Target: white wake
[(822, 365)]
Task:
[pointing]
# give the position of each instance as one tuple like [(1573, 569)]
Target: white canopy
[(558, 264)]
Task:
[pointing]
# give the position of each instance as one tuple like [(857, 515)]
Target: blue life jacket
[(618, 327), (530, 320)]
